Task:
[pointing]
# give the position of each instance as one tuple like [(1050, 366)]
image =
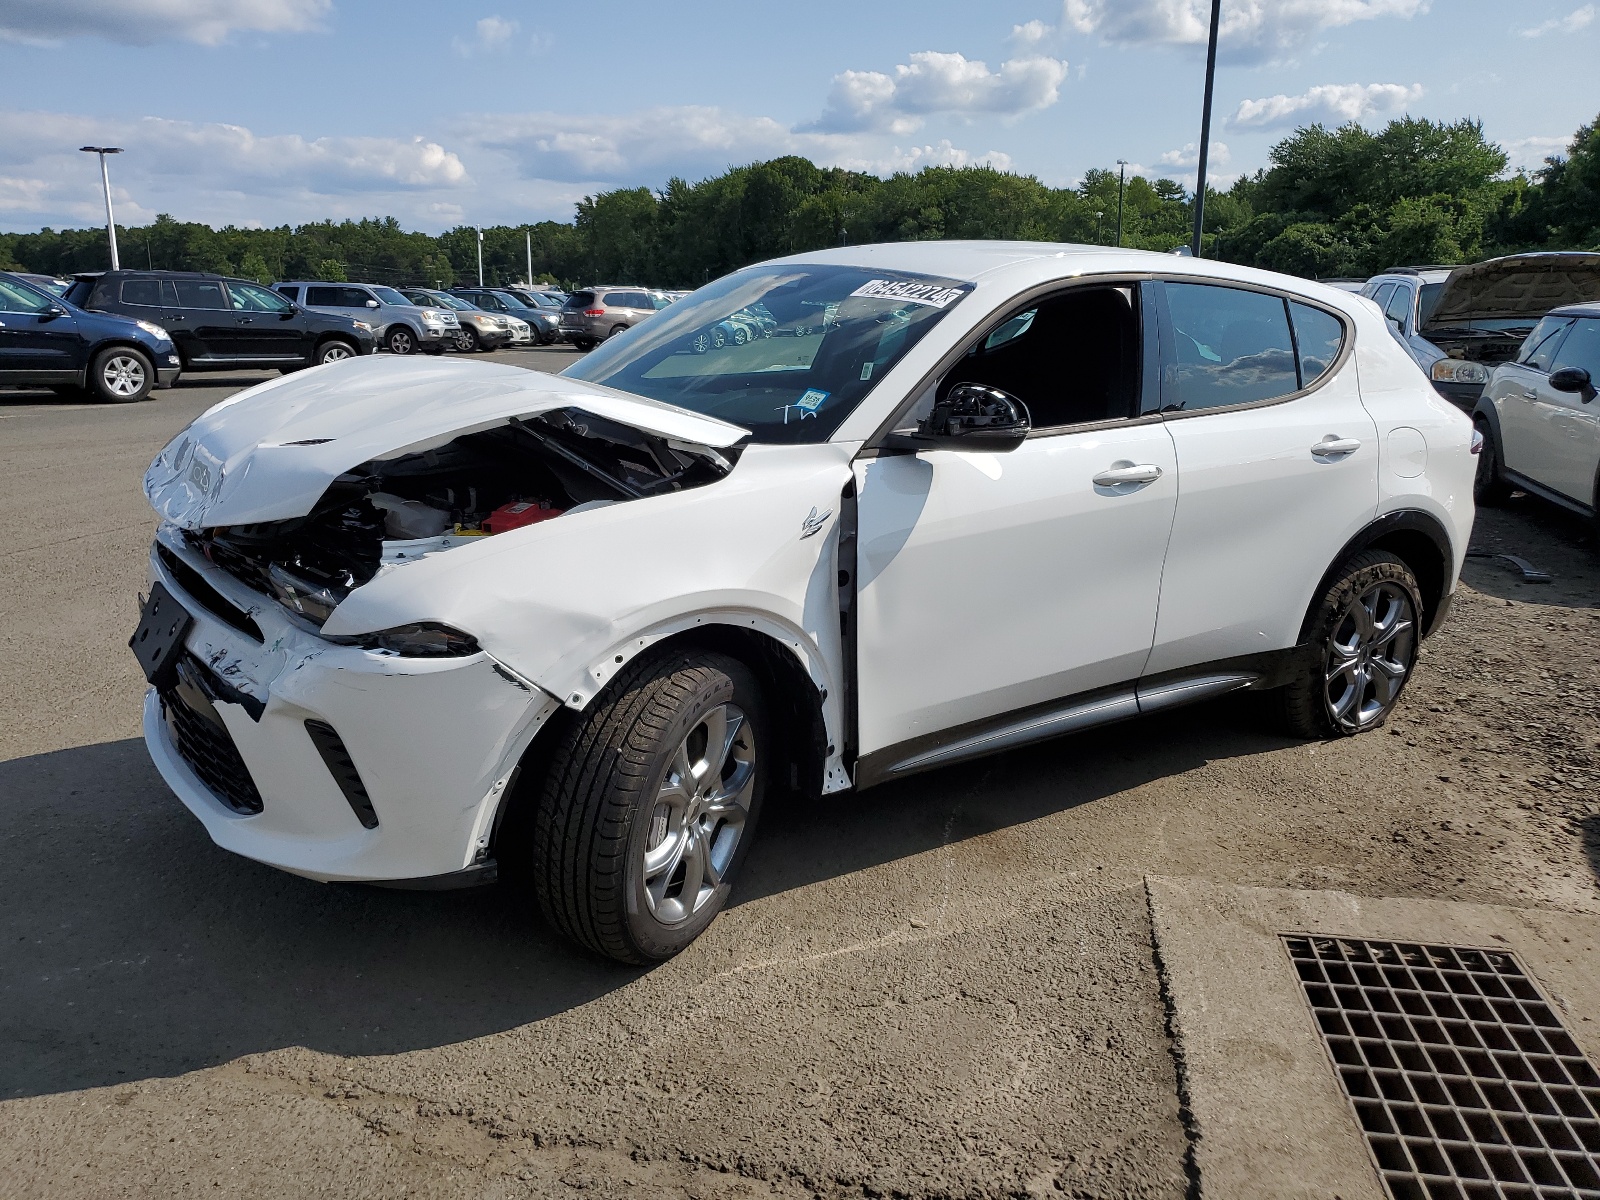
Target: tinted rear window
[(1230, 347), (199, 293), (580, 300), (142, 291), (292, 292)]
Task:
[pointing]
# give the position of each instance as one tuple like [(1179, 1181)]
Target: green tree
[(331, 269)]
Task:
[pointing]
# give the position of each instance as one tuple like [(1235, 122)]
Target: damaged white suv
[(410, 622)]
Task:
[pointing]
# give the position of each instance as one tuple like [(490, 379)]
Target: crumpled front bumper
[(435, 741)]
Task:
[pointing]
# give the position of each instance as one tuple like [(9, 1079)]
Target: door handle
[(1113, 476), (175, 317), (1331, 445), (1527, 395), (247, 320)]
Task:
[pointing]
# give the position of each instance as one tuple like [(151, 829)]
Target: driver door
[(991, 582)]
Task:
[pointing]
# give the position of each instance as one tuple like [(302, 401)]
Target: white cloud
[(1032, 34), (491, 33), (141, 22), (1251, 30), (1188, 158), (935, 82), (1578, 18), (1332, 102), (944, 153), (1529, 153)]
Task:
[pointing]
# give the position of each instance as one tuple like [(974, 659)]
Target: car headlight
[(154, 330), (363, 326), (1458, 370), (424, 639)]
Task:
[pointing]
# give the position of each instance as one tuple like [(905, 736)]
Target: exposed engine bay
[(1488, 346), (389, 511)]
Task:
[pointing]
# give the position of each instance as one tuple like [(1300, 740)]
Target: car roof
[(146, 273), (1577, 310)]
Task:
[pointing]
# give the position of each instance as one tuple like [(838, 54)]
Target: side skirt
[(1523, 484), (1071, 714)]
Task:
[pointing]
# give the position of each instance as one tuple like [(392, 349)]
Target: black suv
[(222, 324)]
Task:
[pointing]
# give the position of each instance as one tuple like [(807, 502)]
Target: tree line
[(1345, 201)]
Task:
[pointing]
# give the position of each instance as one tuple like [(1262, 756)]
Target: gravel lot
[(943, 987)]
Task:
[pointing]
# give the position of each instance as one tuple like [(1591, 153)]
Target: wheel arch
[(114, 342), (1420, 541)]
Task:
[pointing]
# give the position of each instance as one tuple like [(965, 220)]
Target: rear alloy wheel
[(616, 329), (334, 350), (121, 376), (401, 341), (649, 806), (1363, 647), (583, 343), (1489, 489)]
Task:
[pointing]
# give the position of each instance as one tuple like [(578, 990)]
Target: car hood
[(269, 453), (1521, 286)]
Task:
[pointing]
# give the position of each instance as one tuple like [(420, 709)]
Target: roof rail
[(1420, 268)]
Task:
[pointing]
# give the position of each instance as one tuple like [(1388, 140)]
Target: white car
[(1540, 417), (412, 621)]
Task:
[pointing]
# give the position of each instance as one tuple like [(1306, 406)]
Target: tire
[(120, 375), (639, 806), (467, 341), (334, 350), (719, 337), (1489, 490), (701, 342), (741, 335), (616, 329), (584, 344), (1365, 633), (401, 340)]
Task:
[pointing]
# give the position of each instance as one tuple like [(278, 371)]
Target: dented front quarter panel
[(566, 603)]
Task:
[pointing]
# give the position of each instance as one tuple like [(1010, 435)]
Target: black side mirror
[(55, 310), (972, 417), (1571, 379)]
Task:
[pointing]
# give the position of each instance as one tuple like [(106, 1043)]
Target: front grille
[(1461, 1074), (206, 596), (205, 745)]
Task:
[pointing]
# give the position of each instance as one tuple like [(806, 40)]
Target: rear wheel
[(1489, 489), (649, 806), (1365, 634), (583, 343), (401, 340), (616, 329), (333, 350), (119, 375)]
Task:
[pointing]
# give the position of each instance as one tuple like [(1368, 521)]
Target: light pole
[(105, 182), (1099, 218), (1205, 130), (1122, 180), (528, 233), (479, 228)]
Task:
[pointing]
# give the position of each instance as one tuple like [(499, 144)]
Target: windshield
[(1427, 302), (785, 351), (446, 300)]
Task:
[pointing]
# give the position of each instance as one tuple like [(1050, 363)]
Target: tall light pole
[(1122, 180), (105, 182), (528, 233), (479, 228), (1205, 131)]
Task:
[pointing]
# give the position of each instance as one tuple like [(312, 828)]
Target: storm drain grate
[(1459, 1071)]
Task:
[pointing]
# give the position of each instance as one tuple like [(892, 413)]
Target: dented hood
[(269, 453), (1517, 287)]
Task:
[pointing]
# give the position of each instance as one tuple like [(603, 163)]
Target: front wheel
[(1489, 489), (467, 340), (121, 376), (401, 341), (649, 806), (1365, 633)]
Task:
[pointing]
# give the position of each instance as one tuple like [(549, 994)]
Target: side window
[(249, 298), (292, 292), (142, 291), (1399, 306), (1381, 295), (354, 297), (1581, 348), (1542, 343), (1072, 358), (199, 293), (1227, 347), (169, 293), (14, 298), (1318, 336), (323, 297)]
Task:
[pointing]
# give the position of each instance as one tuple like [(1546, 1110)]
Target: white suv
[(409, 622)]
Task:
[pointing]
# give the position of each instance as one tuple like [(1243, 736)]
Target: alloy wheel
[(1370, 653), (699, 816), (336, 352), (123, 375), (400, 342)]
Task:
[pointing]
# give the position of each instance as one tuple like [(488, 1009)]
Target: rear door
[(1277, 461), (1572, 436), (199, 313)]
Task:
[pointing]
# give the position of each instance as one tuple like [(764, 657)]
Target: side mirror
[(55, 310), (1570, 379), (972, 417), (372, 304)]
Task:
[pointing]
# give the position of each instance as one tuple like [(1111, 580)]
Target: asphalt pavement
[(946, 986)]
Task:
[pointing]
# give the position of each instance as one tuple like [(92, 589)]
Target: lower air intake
[(343, 769)]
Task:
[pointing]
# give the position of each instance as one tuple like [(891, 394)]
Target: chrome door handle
[(1527, 395), (247, 320), (1332, 445), (1113, 476)]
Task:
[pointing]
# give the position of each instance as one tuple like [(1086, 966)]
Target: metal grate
[(1458, 1069), (203, 742)]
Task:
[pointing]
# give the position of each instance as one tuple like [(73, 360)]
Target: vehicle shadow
[(1550, 539), (131, 947)]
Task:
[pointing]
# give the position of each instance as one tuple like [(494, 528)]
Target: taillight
[(594, 312)]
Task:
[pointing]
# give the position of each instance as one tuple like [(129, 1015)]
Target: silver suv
[(594, 314), (400, 326)]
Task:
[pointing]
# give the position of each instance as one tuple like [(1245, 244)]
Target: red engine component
[(519, 513)]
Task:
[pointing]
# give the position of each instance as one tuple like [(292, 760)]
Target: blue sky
[(272, 111)]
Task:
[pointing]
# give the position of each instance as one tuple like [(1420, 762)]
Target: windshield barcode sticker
[(931, 294)]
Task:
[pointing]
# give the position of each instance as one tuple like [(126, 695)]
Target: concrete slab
[(1266, 1114)]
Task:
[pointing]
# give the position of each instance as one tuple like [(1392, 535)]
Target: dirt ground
[(943, 987)]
